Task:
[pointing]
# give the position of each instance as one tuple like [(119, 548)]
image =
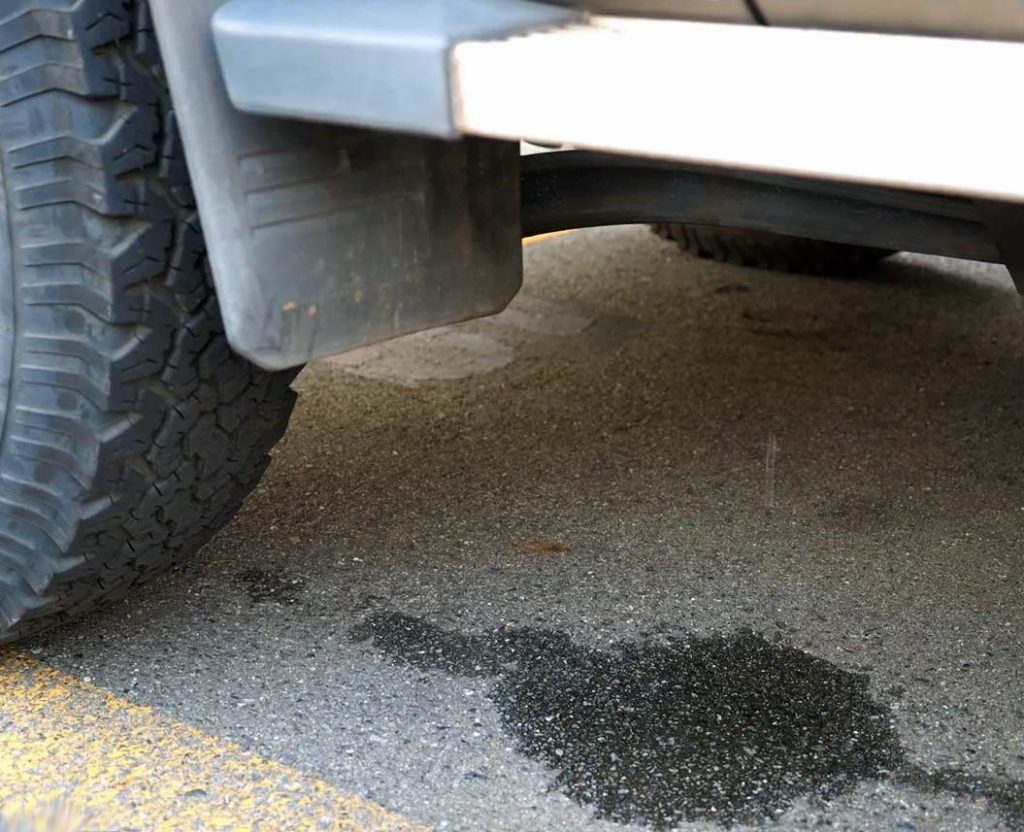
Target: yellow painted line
[(540, 238), (75, 757)]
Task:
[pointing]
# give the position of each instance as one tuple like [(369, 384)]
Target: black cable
[(755, 12)]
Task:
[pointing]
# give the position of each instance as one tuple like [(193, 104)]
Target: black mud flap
[(324, 238), (1005, 221)]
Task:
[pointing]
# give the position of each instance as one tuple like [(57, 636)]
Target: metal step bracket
[(370, 63)]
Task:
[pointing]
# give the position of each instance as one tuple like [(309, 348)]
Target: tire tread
[(131, 431), (765, 250)]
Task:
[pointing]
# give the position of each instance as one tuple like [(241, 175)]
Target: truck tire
[(765, 250), (129, 431)]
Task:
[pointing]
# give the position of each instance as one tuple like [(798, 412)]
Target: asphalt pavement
[(667, 545)]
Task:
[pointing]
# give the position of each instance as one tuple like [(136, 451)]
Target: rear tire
[(129, 431), (765, 250)]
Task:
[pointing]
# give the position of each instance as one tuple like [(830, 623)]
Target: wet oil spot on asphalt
[(727, 728), (263, 586)]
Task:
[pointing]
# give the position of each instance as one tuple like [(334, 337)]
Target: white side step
[(932, 113)]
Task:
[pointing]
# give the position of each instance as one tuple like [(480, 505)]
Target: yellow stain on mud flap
[(74, 757)]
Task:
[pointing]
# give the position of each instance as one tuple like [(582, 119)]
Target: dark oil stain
[(264, 586), (726, 728)]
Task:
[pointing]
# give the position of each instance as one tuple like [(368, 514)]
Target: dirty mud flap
[(1005, 221), (325, 238)]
